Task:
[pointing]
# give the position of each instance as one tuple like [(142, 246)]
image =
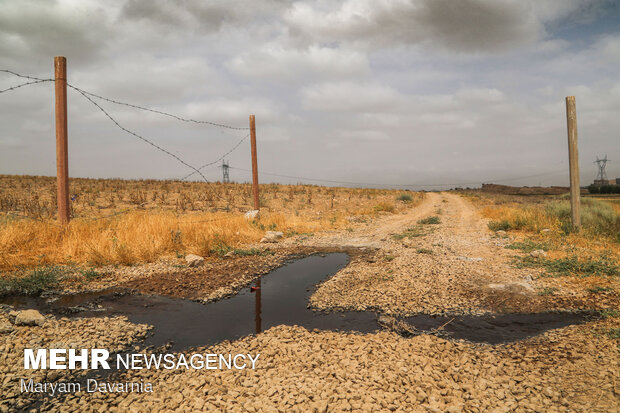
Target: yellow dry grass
[(136, 237), (165, 218), (530, 216)]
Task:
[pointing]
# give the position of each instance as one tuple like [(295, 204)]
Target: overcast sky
[(377, 91)]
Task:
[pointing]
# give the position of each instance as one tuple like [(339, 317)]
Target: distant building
[(603, 182)]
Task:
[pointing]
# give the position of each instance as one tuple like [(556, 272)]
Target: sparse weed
[(613, 333), (609, 313), (434, 220), (572, 265), (527, 245), (502, 225), (599, 289), (35, 282), (411, 232), (547, 291)]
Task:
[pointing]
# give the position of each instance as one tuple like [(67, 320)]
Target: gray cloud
[(372, 91), (207, 16), (464, 26)]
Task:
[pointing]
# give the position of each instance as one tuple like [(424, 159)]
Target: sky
[(419, 94)]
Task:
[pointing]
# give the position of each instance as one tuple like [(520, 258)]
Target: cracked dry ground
[(453, 267)]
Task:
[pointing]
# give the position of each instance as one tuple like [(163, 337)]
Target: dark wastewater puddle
[(280, 297)]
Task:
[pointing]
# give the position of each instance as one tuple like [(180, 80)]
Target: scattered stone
[(29, 318), (6, 328), (194, 260), (545, 230), (272, 236), (251, 215), (501, 232), (538, 253), (12, 315)]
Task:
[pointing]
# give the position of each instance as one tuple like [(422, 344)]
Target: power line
[(218, 159), (397, 185), (221, 125)]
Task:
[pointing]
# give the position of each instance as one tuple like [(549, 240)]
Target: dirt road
[(455, 266)]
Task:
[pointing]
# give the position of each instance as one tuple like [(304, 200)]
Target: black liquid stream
[(280, 298)]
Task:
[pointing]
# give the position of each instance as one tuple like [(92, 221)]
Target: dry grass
[(528, 215), (162, 218)]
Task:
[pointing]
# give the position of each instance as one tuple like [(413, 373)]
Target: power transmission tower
[(225, 172), (602, 163)]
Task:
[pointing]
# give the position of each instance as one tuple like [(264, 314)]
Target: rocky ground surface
[(302, 371), (112, 333), (399, 266)]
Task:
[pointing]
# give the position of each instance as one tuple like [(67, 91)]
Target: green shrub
[(502, 225), (430, 220), (35, 282), (404, 198)]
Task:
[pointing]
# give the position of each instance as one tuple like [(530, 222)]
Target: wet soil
[(281, 298), (228, 273)]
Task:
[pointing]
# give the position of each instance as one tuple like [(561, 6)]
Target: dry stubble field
[(434, 254)]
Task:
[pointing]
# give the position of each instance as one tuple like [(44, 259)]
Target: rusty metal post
[(254, 162), (573, 162), (62, 155)]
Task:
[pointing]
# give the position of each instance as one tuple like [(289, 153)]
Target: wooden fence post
[(62, 155), (573, 162), (254, 163)]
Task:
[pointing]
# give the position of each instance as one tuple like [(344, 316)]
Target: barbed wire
[(131, 105), (179, 159), (396, 185), (219, 159), (24, 76), (25, 84), (139, 136)]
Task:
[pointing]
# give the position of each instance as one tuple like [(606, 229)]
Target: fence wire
[(24, 76), (25, 84), (204, 122)]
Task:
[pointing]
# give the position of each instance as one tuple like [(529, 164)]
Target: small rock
[(501, 232), (545, 230), (538, 253), (229, 254), (194, 260), (6, 328), (12, 315), (253, 214), (272, 236), (29, 318)]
